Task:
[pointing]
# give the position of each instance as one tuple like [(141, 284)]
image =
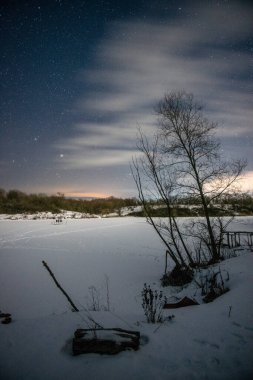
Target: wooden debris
[(6, 318), (182, 303), (104, 341), (4, 315), (6, 321)]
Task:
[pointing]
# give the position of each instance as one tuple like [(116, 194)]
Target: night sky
[(79, 77)]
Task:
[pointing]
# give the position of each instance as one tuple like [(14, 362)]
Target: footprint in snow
[(248, 328), (237, 324), (240, 337), (205, 343)]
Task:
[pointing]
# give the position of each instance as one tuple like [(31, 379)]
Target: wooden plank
[(182, 303), (104, 341)]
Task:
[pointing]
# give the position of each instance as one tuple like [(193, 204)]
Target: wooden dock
[(233, 239)]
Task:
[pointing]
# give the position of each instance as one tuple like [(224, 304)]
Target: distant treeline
[(15, 201)]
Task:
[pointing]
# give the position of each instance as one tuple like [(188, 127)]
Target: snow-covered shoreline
[(48, 216), (45, 215)]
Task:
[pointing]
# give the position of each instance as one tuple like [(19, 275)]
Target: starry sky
[(79, 77)]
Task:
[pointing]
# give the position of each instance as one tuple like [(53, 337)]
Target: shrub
[(152, 304), (212, 284), (179, 276)]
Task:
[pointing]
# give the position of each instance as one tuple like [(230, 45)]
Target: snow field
[(201, 342)]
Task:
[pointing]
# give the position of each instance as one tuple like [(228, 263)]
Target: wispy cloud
[(139, 61)]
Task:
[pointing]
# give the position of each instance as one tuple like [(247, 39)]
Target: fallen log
[(104, 341), (182, 303)]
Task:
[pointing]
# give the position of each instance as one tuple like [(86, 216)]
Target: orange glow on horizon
[(247, 181), (88, 195)]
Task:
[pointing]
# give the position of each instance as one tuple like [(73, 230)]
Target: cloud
[(104, 146), (139, 61), (95, 158)]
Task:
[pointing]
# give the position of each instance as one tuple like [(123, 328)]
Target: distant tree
[(2, 193), (184, 160), (15, 194)]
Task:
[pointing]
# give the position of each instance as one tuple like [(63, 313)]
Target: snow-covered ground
[(208, 341)]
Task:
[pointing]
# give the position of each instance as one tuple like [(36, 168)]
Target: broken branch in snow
[(59, 286)]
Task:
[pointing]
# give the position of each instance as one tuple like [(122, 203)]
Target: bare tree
[(155, 180), (184, 160)]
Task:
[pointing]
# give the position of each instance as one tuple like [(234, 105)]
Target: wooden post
[(234, 241), (166, 262), (228, 240)]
